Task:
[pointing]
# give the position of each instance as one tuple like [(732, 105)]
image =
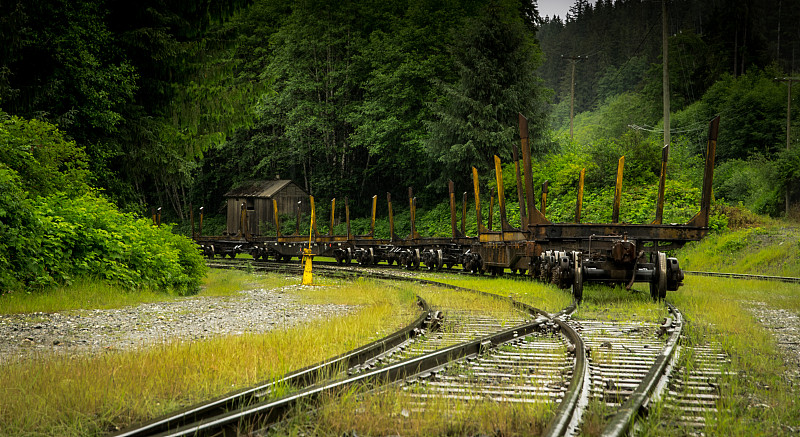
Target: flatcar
[(566, 254)]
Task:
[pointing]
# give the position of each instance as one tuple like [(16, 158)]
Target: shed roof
[(259, 188)]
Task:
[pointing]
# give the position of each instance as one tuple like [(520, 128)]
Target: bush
[(56, 239), (88, 236), (45, 160), (19, 223), (54, 228)]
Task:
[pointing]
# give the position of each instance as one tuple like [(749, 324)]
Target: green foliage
[(117, 77), (620, 41), (18, 222), (773, 249), (353, 89), (750, 182), (752, 110), (67, 238), (43, 158), (87, 236), (54, 228), (477, 116), (614, 117)]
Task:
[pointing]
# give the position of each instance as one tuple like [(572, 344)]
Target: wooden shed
[(257, 197)]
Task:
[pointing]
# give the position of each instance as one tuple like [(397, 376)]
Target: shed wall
[(260, 210)]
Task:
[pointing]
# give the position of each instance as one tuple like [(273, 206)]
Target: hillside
[(770, 249)]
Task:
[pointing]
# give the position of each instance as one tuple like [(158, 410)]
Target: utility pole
[(573, 60), (665, 69), (789, 81)]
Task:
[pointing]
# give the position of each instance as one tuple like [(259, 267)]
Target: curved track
[(463, 356)]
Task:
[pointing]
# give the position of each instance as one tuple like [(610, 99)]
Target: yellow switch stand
[(307, 277)]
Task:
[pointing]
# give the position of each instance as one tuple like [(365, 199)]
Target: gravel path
[(785, 327), (92, 331)]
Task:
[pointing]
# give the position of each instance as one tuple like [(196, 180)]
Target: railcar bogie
[(565, 254)]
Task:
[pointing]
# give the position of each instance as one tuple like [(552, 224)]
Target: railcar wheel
[(429, 258), (577, 277), (658, 286), (365, 258)]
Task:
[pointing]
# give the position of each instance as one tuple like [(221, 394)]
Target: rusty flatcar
[(566, 254)]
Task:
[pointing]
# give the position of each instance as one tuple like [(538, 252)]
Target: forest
[(110, 109)]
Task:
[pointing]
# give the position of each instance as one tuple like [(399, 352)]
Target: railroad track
[(528, 357), (789, 279)]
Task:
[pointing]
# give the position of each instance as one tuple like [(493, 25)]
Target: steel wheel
[(658, 286)]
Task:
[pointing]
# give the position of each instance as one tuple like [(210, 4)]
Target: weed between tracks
[(404, 412), (616, 304), (92, 395), (758, 398), (410, 410), (542, 296)]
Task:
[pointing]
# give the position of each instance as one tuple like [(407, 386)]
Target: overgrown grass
[(391, 412), (770, 250), (758, 398), (543, 296), (90, 395), (83, 294), (602, 302), (97, 294), (220, 282)]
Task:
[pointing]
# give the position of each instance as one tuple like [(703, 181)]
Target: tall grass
[(602, 302), (543, 296), (758, 398), (770, 250), (220, 282), (83, 294), (91, 395), (97, 294), (396, 411)]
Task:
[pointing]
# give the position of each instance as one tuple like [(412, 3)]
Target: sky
[(554, 7)]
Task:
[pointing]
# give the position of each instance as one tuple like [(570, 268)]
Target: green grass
[(83, 294), (91, 395), (543, 296), (759, 399), (220, 282), (95, 294), (358, 412), (770, 250), (616, 304)]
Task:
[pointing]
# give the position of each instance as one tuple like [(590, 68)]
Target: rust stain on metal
[(618, 190)]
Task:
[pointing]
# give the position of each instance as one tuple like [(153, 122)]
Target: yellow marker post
[(307, 275), (308, 278)]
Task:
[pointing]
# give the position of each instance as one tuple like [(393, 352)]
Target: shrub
[(88, 236), (19, 225), (44, 159)]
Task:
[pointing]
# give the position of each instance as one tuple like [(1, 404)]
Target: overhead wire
[(622, 67)]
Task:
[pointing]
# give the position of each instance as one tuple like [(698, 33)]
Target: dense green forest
[(173, 103)]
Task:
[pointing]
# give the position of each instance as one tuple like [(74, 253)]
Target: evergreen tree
[(476, 118)]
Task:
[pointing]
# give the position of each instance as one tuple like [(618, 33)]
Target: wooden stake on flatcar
[(618, 190), (579, 202)]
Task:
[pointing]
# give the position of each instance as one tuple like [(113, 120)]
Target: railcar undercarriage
[(565, 254)]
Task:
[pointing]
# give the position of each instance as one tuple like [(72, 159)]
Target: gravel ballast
[(784, 325), (186, 319)]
